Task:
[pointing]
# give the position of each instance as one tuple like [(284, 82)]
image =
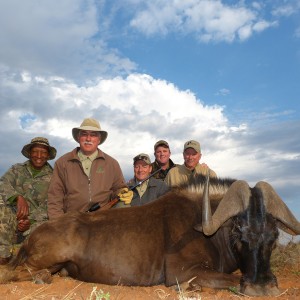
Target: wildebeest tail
[(8, 272), (19, 259)]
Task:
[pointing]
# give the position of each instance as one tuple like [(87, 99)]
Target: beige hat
[(161, 143), (144, 157), (92, 125), (192, 144), (39, 141)]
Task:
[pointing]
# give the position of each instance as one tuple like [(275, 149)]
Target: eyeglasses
[(92, 134)]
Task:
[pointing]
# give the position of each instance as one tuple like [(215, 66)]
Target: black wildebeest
[(172, 240)]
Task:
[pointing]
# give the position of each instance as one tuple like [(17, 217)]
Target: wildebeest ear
[(198, 227)]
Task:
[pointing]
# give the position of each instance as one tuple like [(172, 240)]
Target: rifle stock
[(106, 206)]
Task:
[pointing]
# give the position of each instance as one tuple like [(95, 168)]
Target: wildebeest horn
[(278, 209), (234, 201)]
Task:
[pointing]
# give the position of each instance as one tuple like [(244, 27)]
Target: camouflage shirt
[(162, 173), (21, 180)]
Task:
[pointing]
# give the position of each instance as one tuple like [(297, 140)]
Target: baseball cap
[(161, 143), (192, 144), (144, 157)]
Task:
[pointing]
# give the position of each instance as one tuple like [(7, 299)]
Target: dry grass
[(286, 258)]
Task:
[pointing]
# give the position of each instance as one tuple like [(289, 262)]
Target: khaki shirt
[(181, 174), (86, 161), (141, 189)]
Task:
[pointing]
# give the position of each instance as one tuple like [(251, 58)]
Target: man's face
[(38, 156), (162, 154), (141, 170), (88, 141), (191, 158)]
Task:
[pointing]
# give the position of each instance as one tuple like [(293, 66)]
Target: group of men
[(32, 192)]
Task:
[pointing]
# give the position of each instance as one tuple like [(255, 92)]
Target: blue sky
[(225, 73)]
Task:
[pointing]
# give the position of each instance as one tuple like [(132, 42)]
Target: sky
[(225, 73)]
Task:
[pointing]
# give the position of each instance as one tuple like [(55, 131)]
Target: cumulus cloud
[(136, 110), (207, 20), (57, 37)]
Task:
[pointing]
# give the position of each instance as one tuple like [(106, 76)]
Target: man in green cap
[(162, 162), (86, 176), (23, 195)]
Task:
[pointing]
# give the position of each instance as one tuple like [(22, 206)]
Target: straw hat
[(92, 125)]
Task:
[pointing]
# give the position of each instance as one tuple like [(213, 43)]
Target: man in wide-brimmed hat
[(23, 195), (86, 176)]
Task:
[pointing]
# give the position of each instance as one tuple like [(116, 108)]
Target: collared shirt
[(142, 188), (86, 161)]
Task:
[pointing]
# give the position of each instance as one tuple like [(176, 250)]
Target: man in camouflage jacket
[(23, 195)]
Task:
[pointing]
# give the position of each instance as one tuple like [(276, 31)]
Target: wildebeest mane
[(217, 186)]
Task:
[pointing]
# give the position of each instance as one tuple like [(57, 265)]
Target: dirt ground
[(285, 267)]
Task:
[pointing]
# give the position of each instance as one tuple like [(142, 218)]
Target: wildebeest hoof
[(43, 277), (194, 286), (259, 290), (63, 273), (187, 286)]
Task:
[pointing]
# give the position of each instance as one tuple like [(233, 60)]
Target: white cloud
[(207, 19), (287, 8), (136, 111), (223, 92), (56, 38)]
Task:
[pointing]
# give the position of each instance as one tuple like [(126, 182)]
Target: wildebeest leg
[(24, 273), (207, 278), (214, 280), (39, 277)]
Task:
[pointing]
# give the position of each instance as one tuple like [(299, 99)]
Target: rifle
[(111, 203)]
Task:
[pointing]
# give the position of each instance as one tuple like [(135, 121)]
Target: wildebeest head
[(255, 214)]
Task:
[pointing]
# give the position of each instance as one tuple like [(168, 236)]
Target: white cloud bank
[(137, 111)]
